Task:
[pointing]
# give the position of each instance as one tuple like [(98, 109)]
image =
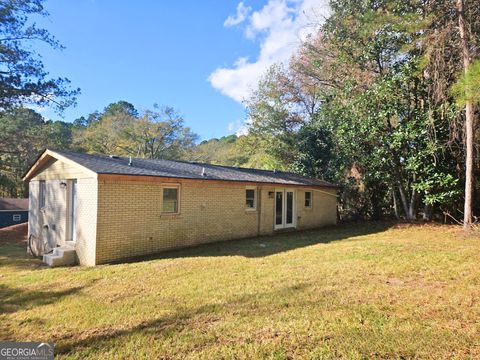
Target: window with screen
[(250, 199), (308, 199), (170, 200)]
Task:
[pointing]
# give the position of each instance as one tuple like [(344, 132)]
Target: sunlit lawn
[(354, 291)]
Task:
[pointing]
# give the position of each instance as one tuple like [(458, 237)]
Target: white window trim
[(179, 192), (42, 193), (311, 199), (255, 198), (71, 229), (284, 224)]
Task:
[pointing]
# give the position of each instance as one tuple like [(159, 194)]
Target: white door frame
[(284, 225), (72, 205)]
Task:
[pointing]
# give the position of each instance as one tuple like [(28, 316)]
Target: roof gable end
[(47, 158)]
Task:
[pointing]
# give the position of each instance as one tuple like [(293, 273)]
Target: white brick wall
[(87, 193), (55, 215)]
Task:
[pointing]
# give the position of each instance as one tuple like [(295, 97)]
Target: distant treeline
[(382, 99), (119, 129)]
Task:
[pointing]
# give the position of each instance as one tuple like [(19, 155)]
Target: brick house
[(96, 209)]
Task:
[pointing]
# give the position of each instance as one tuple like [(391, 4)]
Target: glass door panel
[(289, 208), (284, 209), (278, 209)]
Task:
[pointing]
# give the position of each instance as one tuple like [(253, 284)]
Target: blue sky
[(200, 57)]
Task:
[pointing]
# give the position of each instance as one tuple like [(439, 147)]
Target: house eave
[(46, 156), (151, 178)]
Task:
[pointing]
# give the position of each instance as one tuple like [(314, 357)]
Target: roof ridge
[(116, 157), (105, 164)]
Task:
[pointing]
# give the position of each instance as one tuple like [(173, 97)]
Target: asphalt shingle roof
[(13, 204), (186, 170)]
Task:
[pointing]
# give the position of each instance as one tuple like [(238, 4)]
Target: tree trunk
[(403, 198), (376, 212), (427, 212), (408, 206), (469, 123), (412, 209), (395, 208)]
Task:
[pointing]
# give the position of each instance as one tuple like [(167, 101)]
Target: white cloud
[(233, 126), (31, 102), (42, 110), (279, 27), (238, 127), (239, 17)]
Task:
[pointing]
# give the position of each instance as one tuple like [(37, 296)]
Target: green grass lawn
[(354, 292)]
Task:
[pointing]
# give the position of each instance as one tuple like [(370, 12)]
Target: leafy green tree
[(106, 135), (122, 107), (23, 135), (284, 101), (160, 134), (316, 157), (83, 122), (467, 88), (121, 130), (23, 78), (450, 45), (384, 126), (224, 151)]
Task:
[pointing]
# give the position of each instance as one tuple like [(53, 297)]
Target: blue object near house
[(13, 211)]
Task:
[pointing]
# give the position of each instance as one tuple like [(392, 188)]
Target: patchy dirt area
[(15, 234)]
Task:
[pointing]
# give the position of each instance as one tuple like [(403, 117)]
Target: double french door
[(285, 211)]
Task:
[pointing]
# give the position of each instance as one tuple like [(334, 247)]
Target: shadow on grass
[(13, 249), (269, 245), (16, 299), (182, 319), (15, 255)]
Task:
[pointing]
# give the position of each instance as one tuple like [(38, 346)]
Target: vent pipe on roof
[(203, 172), (113, 156), (130, 161)]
